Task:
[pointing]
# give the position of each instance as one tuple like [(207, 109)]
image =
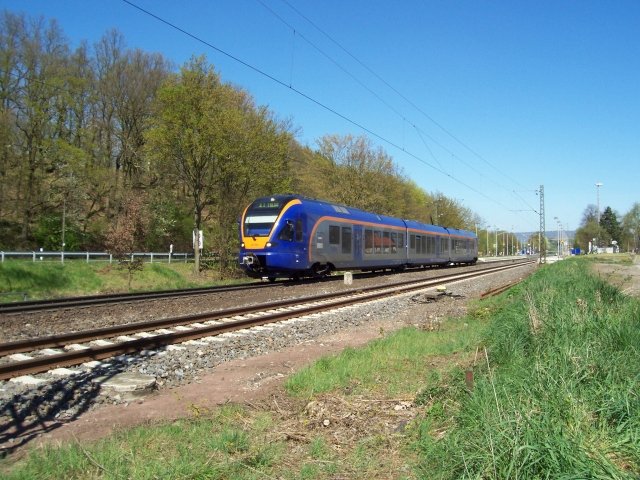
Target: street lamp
[(598, 185), (558, 222), (488, 227)]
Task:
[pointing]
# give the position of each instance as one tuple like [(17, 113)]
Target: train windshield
[(261, 216)]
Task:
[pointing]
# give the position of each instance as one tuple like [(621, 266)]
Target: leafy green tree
[(184, 134), (211, 138), (609, 222), (40, 70), (590, 231)]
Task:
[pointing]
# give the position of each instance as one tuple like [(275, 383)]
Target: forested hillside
[(103, 146)]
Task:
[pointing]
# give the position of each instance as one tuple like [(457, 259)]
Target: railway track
[(42, 354), (119, 298), (93, 300)]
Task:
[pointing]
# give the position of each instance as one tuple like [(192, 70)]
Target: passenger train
[(293, 236)]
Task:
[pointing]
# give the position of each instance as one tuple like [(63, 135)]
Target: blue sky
[(483, 101)]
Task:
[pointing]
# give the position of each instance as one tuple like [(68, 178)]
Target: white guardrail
[(41, 255)]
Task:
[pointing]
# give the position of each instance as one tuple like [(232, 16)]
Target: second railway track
[(93, 300)]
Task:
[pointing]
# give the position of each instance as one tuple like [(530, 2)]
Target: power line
[(313, 100), (400, 94), (297, 32), (418, 131), (328, 57)]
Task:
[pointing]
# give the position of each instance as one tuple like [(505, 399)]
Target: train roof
[(414, 225), (461, 233), (324, 207)]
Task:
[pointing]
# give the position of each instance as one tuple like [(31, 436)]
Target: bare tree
[(127, 232)]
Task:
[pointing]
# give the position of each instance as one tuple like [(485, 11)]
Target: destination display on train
[(267, 205)]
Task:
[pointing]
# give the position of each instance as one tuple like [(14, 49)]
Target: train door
[(357, 244)]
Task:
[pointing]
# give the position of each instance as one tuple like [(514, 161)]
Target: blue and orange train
[(293, 236)]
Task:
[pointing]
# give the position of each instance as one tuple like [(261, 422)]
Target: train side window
[(386, 243), (334, 235), (377, 241), (412, 242), (368, 241), (346, 239), (418, 244), (394, 242), (299, 230), (401, 240)]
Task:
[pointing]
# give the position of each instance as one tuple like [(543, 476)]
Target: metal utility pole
[(542, 234), (598, 185)]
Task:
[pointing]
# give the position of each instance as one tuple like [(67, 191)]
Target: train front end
[(271, 237)]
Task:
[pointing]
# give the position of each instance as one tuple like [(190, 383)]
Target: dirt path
[(625, 277)]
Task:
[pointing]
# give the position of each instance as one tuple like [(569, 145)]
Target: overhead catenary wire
[(400, 94), (420, 110), (375, 94), (313, 100), (420, 133), (316, 102)]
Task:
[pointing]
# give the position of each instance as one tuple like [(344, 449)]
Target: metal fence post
[(34, 257), (151, 261), (111, 258), (87, 257)]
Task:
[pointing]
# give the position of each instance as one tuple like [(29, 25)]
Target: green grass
[(558, 394), (392, 365), (220, 446), (74, 278)]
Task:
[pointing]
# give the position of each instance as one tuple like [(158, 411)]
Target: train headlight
[(271, 244), (242, 244)]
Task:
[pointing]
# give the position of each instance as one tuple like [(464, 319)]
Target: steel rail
[(89, 300), (46, 362), (498, 290)]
